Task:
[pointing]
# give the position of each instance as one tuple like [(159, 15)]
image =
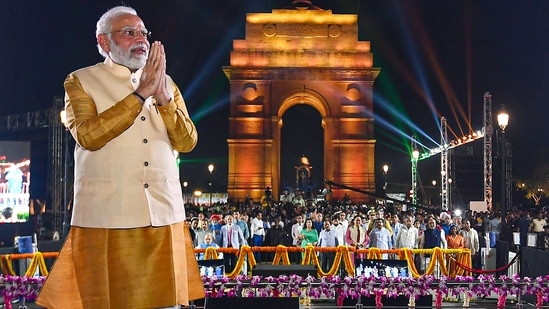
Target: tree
[(536, 185)]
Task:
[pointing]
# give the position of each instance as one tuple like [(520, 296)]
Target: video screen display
[(14, 181), (381, 268), (209, 268)]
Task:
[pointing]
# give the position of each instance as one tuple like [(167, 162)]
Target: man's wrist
[(140, 97), (162, 102)]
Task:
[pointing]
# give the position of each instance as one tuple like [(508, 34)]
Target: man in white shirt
[(339, 230), (258, 234), (343, 220), (380, 237), (296, 230), (472, 243), (327, 239), (408, 236)]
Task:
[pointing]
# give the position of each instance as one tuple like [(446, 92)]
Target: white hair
[(104, 23)]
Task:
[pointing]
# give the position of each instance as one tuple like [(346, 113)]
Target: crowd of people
[(383, 226)]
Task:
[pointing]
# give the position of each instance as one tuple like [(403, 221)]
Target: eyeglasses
[(133, 33)]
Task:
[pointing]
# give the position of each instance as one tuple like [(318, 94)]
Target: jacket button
[(146, 163), (145, 140), (143, 118), (146, 185)]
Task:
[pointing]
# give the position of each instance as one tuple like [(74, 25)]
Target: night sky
[(437, 58)]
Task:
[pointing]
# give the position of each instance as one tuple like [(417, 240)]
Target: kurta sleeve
[(91, 130), (181, 129)]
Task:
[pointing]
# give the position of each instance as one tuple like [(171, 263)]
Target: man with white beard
[(129, 121)]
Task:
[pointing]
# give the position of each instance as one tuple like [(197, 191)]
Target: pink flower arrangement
[(13, 287), (340, 288)]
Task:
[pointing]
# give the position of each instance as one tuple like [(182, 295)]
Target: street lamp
[(210, 169), (185, 184), (385, 171), (415, 158), (503, 121)]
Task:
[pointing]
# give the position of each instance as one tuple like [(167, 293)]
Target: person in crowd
[(538, 226), (207, 243), (495, 224), (318, 221), (458, 221), (201, 232), (242, 225), (231, 237), (296, 230), (192, 231), (339, 230), (445, 222), (523, 228), (432, 237), (343, 220), (215, 227), (454, 241), (258, 234), (286, 197), (308, 235), (372, 223), (357, 237), (471, 242), (381, 238), (128, 118), (201, 218), (408, 235), (371, 219), (327, 239), (298, 200), (396, 226), (420, 219)]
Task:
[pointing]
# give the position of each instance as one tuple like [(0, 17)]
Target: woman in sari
[(308, 235)]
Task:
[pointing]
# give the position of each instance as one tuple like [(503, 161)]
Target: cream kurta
[(128, 247), (125, 160)]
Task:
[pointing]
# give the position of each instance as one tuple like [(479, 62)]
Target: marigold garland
[(245, 251), (281, 255), (37, 262), (463, 257), (211, 254), (410, 261), (6, 262), (7, 267)]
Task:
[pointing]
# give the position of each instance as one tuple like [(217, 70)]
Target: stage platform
[(487, 303)]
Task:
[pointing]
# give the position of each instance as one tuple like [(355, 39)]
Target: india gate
[(300, 55)]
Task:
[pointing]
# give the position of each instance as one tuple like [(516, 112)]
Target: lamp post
[(385, 171), (185, 184), (503, 121), (210, 169), (450, 180), (415, 158), (434, 183)]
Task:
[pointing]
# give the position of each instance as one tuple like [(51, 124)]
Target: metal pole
[(65, 182), (503, 176)]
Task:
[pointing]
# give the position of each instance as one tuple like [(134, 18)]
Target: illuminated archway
[(278, 66)]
